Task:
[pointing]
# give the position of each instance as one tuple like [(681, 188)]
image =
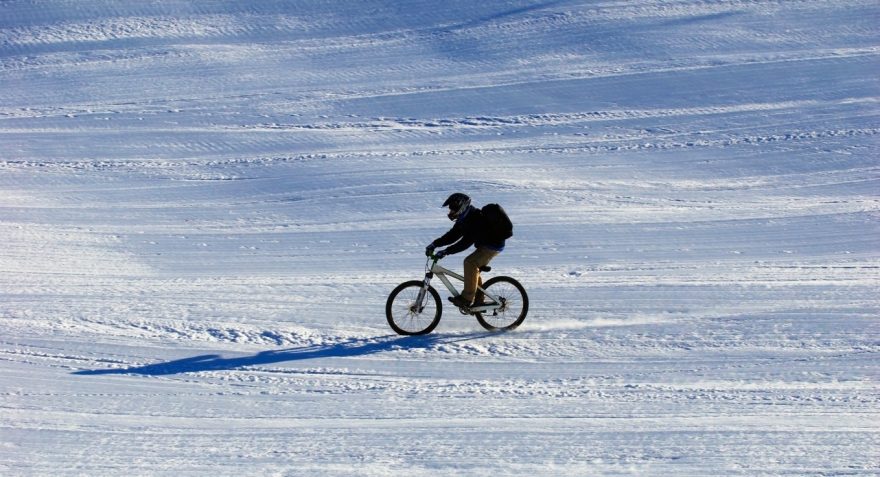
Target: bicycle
[(414, 307)]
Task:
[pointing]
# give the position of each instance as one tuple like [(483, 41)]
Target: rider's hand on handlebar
[(429, 250), (439, 255)]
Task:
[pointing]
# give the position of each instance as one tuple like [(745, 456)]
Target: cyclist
[(469, 229)]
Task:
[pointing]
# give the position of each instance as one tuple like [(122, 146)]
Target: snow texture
[(204, 205)]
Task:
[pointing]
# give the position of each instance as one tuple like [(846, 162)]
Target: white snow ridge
[(204, 206)]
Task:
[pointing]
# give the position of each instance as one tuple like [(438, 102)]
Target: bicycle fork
[(423, 293)]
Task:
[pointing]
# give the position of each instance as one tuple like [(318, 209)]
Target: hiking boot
[(460, 302)]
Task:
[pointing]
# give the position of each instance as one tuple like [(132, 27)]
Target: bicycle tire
[(513, 312), (400, 312)]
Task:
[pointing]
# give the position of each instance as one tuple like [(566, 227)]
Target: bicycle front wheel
[(514, 304), (406, 315)]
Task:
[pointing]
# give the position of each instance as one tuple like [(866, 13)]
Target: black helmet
[(457, 204)]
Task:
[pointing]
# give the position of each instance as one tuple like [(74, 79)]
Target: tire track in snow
[(552, 120)]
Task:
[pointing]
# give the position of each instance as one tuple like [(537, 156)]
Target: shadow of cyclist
[(345, 349)]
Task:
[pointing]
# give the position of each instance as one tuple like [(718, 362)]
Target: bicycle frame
[(443, 274)]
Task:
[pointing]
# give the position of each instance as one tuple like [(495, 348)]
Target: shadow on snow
[(345, 349)]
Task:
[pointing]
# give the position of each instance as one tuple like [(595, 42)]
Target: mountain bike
[(414, 307)]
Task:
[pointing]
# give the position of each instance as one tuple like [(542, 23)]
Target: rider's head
[(457, 204)]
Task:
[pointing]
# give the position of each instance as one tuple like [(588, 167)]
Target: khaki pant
[(472, 263)]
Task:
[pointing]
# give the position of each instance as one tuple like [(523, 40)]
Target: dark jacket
[(469, 229)]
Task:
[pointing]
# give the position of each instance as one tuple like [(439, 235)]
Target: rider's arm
[(460, 246), (452, 236)]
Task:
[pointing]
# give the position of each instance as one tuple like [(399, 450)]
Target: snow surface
[(203, 207)]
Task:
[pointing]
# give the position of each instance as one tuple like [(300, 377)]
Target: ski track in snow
[(204, 206)]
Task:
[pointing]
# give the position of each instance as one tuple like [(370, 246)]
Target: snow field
[(204, 206)]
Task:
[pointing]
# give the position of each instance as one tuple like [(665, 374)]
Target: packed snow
[(204, 206)]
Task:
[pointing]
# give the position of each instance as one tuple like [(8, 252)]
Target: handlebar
[(432, 260)]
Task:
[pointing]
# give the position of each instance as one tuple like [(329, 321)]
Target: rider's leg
[(472, 263), (479, 297)]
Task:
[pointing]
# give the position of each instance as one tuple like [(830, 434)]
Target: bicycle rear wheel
[(514, 304), (408, 317)]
